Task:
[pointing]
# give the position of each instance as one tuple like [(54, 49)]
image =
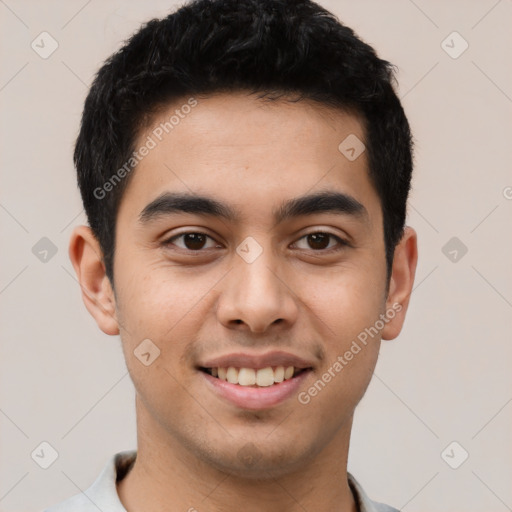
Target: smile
[(255, 396), (252, 377)]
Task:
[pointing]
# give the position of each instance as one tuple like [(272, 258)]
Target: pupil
[(194, 241), (318, 240)]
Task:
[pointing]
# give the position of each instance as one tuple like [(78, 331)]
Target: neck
[(166, 476)]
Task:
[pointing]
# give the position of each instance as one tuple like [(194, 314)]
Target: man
[(245, 167)]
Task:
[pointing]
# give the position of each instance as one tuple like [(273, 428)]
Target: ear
[(97, 293), (401, 282)]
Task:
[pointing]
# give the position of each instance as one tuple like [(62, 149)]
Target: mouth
[(255, 377), (255, 380)]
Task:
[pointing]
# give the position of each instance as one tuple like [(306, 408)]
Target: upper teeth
[(250, 376)]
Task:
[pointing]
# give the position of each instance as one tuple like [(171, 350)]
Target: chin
[(254, 461)]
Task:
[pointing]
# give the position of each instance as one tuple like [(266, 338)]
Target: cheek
[(342, 311), (157, 313), (159, 298), (346, 301), (168, 308), (345, 309)]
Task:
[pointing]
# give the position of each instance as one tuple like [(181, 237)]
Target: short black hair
[(274, 47)]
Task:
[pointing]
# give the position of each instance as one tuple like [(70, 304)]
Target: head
[(273, 48), (230, 117)]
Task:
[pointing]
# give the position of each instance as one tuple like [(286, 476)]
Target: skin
[(296, 297)]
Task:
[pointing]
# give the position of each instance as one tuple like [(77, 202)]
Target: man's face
[(254, 290)]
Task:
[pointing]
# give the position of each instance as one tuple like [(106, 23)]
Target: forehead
[(245, 150)]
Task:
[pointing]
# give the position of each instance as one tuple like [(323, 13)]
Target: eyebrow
[(170, 203)]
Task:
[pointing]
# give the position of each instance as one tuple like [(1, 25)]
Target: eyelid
[(169, 240), (342, 242)]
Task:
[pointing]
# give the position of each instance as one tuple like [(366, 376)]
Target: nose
[(256, 297)]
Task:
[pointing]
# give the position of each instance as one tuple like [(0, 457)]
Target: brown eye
[(321, 241), (194, 241), (191, 241), (318, 240)]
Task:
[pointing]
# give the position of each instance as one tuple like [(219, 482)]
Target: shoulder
[(365, 504), (77, 503), (382, 507), (102, 494)]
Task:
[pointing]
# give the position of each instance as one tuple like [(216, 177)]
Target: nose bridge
[(256, 281), (254, 294)]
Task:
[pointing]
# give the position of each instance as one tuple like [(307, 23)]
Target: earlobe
[(86, 257), (401, 282)]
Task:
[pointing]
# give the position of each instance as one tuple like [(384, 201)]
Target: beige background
[(447, 378)]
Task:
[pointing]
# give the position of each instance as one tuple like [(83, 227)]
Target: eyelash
[(341, 242)]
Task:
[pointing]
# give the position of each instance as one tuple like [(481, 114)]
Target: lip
[(257, 361), (255, 398)]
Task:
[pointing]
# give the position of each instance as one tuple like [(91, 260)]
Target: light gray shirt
[(102, 494)]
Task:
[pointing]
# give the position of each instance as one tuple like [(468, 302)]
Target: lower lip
[(255, 398)]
